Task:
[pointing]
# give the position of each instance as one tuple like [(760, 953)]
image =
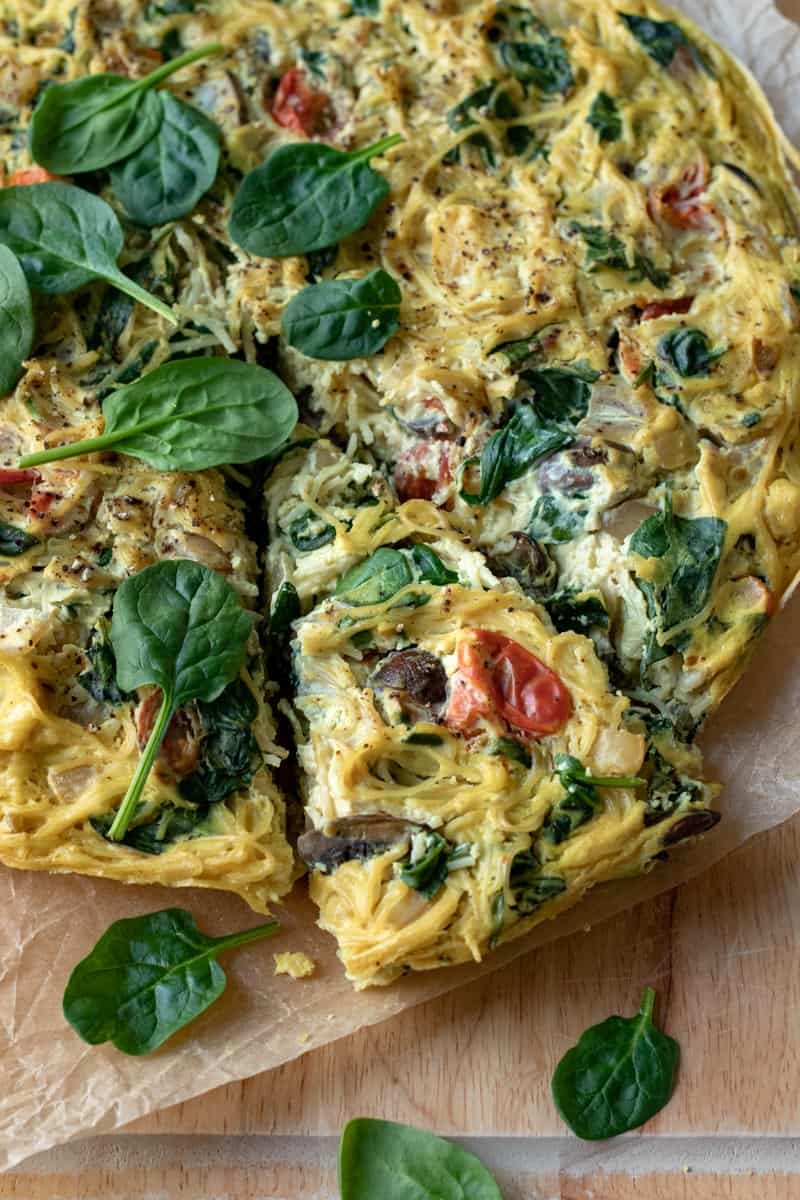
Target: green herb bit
[(17, 327), (147, 977), (180, 626), (619, 1075), (688, 351), (96, 121)]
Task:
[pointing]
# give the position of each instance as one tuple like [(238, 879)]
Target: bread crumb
[(294, 963)]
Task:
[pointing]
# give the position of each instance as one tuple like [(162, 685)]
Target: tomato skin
[(296, 106), (18, 476), (667, 308), (422, 470), (680, 204), (498, 675), (30, 175)]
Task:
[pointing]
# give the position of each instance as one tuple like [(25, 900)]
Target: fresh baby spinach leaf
[(147, 977), (688, 351), (192, 414), (604, 116), (64, 238), (512, 451), (15, 541), (166, 177), (619, 1075), (340, 319), (398, 1162), (17, 329), (307, 196), (180, 626), (430, 567), (96, 121)]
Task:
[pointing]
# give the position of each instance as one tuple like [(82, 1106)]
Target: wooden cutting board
[(723, 952)]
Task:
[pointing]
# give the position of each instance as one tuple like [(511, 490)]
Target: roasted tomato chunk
[(296, 106)]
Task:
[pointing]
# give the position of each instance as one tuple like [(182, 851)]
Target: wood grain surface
[(723, 952)]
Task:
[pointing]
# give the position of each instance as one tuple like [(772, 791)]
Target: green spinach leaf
[(663, 40), (147, 977), (427, 871), (430, 567), (15, 541), (562, 393), (511, 748), (580, 801), (490, 99), (64, 238), (512, 451), (366, 8), (557, 519), (285, 609), (307, 197), (618, 1076), (605, 117), (688, 351), (309, 532), (166, 177), (229, 752), (397, 1162), (169, 825), (529, 885), (17, 329), (192, 414), (582, 611), (341, 319), (376, 579), (689, 551), (180, 626), (530, 52), (96, 121), (101, 680), (604, 249)]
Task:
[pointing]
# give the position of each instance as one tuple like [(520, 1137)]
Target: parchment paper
[(55, 1088)]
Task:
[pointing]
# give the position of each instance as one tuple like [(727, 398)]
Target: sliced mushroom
[(529, 563), (691, 826), (350, 838), (417, 681)]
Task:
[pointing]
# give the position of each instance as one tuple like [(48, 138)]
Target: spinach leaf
[(229, 751), (512, 451), (562, 393), (555, 520), (662, 40), (689, 551), (688, 351), (511, 748), (570, 610), (604, 116), (15, 541), (580, 801), (376, 579), (529, 886), (166, 177), (64, 238), (494, 102), (180, 626), (430, 567), (96, 121), (309, 532), (101, 680), (427, 871), (169, 825), (366, 8), (605, 249), (285, 609), (147, 977), (618, 1076), (397, 1162), (306, 197), (541, 59), (17, 329), (192, 414), (342, 319), (795, 290)]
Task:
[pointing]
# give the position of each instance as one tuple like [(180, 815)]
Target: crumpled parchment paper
[(55, 1088)]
